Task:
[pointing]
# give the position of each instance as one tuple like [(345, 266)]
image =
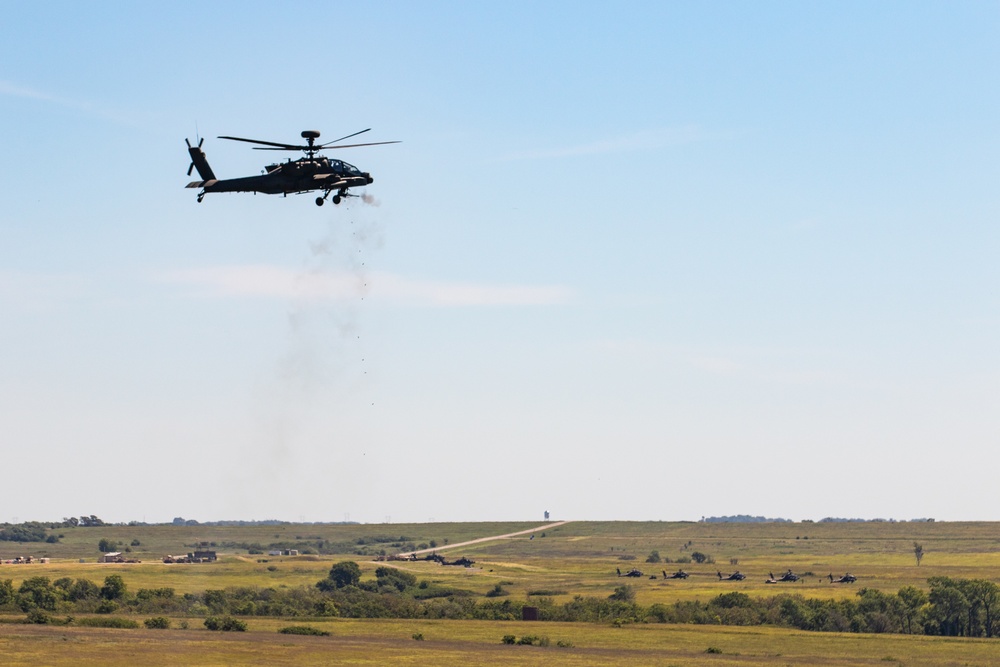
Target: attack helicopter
[(312, 172)]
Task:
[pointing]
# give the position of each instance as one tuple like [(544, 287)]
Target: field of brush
[(577, 558)]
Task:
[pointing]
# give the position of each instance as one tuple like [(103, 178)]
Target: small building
[(112, 557), (290, 552), (274, 552), (204, 556)]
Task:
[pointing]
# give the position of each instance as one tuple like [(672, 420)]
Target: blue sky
[(650, 261)]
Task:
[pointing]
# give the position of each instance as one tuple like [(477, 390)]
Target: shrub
[(114, 587), (623, 594), (713, 649), (653, 557), (108, 622), (39, 617), (107, 607), (418, 636), (496, 591), (344, 573), (157, 623), (225, 624), (303, 630), (509, 639)]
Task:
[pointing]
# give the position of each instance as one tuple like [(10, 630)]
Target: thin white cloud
[(13, 90), (29, 290), (267, 281), (647, 140)]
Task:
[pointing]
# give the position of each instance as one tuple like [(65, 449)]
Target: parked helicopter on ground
[(313, 172), (846, 579), (679, 574), (735, 576)]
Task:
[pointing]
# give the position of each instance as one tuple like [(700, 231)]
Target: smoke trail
[(321, 367)]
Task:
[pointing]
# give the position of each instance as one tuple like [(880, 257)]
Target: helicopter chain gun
[(313, 172)]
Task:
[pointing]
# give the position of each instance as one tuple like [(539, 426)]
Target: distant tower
[(546, 515)]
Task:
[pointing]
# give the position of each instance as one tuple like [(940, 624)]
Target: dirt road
[(547, 526)]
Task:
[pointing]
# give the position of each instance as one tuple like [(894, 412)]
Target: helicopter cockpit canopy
[(341, 167)]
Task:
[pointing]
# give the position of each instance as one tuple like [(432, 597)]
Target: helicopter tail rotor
[(199, 161)]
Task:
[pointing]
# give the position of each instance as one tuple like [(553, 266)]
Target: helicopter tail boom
[(199, 162)]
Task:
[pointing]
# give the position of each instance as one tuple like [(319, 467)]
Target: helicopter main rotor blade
[(287, 147), (321, 148), (347, 137), (374, 143)]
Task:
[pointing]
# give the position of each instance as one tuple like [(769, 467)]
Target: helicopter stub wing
[(354, 181), (201, 184)]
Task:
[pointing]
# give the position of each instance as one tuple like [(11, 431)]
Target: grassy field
[(577, 558), (474, 643)]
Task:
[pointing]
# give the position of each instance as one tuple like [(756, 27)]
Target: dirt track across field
[(548, 526)]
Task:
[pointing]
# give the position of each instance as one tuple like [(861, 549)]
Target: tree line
[(951, 607)]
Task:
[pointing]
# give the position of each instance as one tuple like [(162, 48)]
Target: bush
[(114, 587), (225, 624), (653, 557), (108, 622), (418, 636), (528, 640), (344, 573), (39, 617), (107, 607), (699, 557), (303, 630), (623, 594), (509, 639), (496, 591), (157, 623)]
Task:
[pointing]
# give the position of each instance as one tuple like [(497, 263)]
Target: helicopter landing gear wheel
[(336, 199), (319, 201), (200, 197)]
